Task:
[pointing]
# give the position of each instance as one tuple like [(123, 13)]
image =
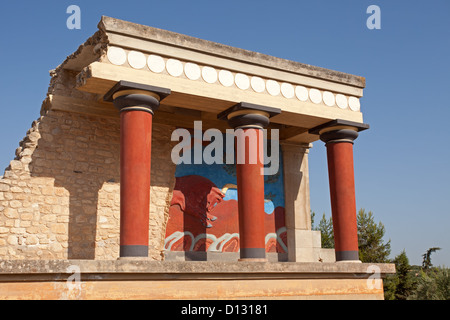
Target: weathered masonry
[(94, 185)]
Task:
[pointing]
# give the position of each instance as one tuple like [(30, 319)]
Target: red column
[(250, 185), (137, 104), (135, 165), (339, 144), (343, 203), (249, 120)]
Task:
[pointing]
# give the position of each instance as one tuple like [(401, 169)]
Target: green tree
[(326, 231), (370, 239), (426, 263), (402, 284), (406, 283), (434, 285), (389, 285)]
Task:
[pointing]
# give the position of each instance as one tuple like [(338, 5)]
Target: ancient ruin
[(94, 189)]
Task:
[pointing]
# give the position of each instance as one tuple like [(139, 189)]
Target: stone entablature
[(212, 75), (206, 78)]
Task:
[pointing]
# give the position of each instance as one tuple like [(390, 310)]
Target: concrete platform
[(141, 279)]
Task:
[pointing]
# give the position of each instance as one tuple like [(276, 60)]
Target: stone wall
[(59, 198)]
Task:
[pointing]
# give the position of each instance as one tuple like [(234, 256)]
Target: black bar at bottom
[(347, 255), (253, 253), (133, 251)]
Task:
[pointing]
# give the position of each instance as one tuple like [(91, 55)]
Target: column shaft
[(343, 204), (338, 136), (250, 185), (135, 166)]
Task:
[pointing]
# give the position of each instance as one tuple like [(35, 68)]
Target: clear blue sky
[(401, 163)]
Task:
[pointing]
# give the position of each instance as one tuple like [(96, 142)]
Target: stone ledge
[(60, 270), (211, 256), (160, 280)]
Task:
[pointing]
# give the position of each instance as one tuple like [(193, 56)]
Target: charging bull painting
[(203, 213)]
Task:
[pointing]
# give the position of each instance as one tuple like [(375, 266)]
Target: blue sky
[(401, 163)]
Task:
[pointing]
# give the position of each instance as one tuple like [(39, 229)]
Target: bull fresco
[(203, 213)]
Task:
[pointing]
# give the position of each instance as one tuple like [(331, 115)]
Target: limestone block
[(306, 238), (11, 213), (306, 255), (15, 204), (303, 245), (316, 239), (4, 230), (13, 240), (328, 255)]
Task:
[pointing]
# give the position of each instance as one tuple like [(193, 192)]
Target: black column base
[(253, 253), (137, 251), (342, 256)]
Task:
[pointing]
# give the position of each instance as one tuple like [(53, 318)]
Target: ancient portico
[(93, 183)]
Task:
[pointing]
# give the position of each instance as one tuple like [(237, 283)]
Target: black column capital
[(339, 135), (135, 96), (247, 115), (339, 131)]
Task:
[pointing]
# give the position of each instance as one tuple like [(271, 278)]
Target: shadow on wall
[(73, 178), (81, 153)]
